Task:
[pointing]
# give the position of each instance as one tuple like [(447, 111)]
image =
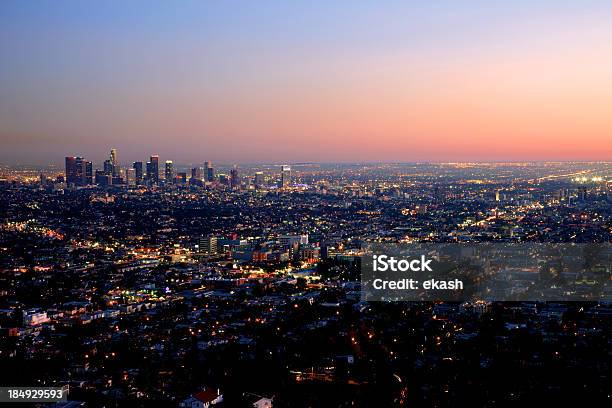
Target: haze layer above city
[(261, 82)]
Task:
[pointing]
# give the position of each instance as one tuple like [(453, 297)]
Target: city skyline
[(274, 82)]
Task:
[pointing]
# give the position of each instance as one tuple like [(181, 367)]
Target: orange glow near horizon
[(403, 83)]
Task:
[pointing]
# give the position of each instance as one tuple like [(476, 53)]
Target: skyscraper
[(71, 170), (81, 170), (169, 172), (108, 167), (153, 169), (78, 171), (130, 177), (88, 173), (209, 171), (149, 172), (285, 176), (114, 162), (138, 172)]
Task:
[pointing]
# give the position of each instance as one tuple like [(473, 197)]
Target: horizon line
[(359, 162)]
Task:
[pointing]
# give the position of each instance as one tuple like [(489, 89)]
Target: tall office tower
[(259, 179), (153, 169), (210, 172), (149, 171), (130, 177), (196, 176), (114, 162), (169, 172), (81, 169), (234, 178), (137, 166), (208, 245), (108, 167), (285, 176), (71, 170), (88, 174)]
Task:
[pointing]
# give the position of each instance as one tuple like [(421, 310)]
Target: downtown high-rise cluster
[(80, 172)]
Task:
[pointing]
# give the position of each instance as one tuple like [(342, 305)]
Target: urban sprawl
[(239, 285)]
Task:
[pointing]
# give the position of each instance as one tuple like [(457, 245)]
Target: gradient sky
[(285, 81)]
